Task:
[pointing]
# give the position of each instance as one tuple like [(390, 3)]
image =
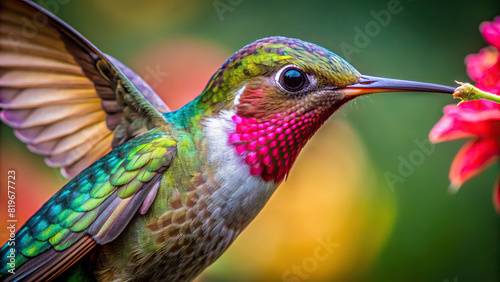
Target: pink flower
[(477, 120)]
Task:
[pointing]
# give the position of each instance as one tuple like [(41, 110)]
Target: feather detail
[(38, 97), (149, 198), (60, 93), (46, 115), (36, 63), (54, 262), (90, 205), (27, 79), (58, 129), (98, 150)]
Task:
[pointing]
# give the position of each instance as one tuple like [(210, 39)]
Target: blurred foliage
[(414, 230)]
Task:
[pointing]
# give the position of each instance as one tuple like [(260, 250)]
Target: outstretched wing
[(64, 98), (93, 208)]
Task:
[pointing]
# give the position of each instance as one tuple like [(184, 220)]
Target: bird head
[(281, 90)]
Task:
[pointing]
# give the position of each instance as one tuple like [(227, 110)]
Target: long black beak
[(372, 84)]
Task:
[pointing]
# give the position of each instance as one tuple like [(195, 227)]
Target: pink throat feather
[(271, 147)]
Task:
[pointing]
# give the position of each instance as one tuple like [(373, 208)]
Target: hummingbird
[(155, 194)]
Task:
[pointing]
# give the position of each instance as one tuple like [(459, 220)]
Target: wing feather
[(97, 204), (38, 97), (44, 133), (59, 91), (53, 262), (98, 150)]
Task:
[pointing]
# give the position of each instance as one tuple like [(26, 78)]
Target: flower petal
[(474, 157), (477, 64), (446, 129), (474, 111), (459, 123), (491, 80), (491, 32)]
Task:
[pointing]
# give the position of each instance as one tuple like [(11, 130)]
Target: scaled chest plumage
[(198, 221)]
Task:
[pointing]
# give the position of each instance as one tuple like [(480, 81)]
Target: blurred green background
[(414, 230)]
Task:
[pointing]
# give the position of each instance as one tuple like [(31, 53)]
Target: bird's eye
[(293, 79)]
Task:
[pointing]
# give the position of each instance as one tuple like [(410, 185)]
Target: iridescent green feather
[(77, 205)]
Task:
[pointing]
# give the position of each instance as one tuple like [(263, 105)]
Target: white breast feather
[(240, 192)]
